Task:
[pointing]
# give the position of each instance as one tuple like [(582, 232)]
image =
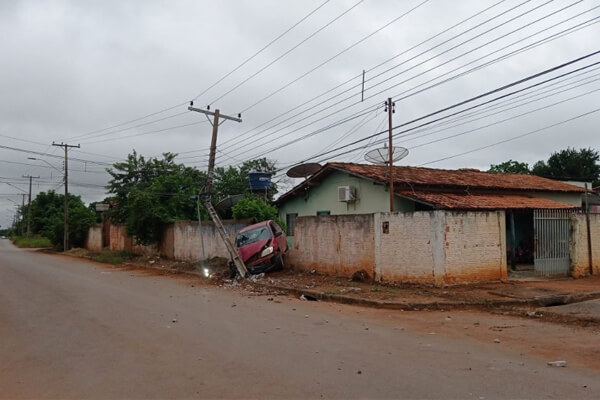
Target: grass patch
[(333, 292), (31, 242), (112, 257)]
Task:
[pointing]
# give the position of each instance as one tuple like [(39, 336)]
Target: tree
[(510, 167), (256, 209), (48, 218), (149, 194), (231, 181), (571, 164)]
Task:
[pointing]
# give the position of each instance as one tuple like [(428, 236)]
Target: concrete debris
[(560, 363), (496, 340), (151, 262), (257, 277), (534, 314)]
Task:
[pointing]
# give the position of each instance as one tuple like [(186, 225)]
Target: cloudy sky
[(114, 76)]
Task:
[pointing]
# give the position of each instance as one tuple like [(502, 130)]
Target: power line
[(412, 67), (288, 51), (504, 87), (375, 67), (261, 50), (221, 79), (333, 57), (514, 137), (395, 98)]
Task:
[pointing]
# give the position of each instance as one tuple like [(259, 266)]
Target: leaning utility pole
[(29, 204), (239, 263), (66, 234), (390, 108)]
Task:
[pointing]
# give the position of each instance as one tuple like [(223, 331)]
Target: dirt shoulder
[(533, 298)]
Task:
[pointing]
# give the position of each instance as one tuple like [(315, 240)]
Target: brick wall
[(405, 252), (183, 240), (93, 241), (440, 247), (474, 246), (189, 239), (334, 245), (580, 265)]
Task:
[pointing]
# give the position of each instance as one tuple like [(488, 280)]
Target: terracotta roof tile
[(462, 178), (456, 201)]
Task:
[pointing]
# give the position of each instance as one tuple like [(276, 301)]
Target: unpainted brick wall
[(580, 265), (334, 245)]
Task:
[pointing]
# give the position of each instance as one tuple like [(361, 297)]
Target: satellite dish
[(229, 201), (381, 155), (303, 170)]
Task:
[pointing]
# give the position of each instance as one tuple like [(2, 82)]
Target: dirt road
[(73, 329)]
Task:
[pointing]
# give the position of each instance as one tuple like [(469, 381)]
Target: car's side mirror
[(278, 233)]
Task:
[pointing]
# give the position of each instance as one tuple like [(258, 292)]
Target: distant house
[(347, 188)]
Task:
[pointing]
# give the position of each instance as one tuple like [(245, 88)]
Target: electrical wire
[(395, 98), (514, 137), (412, 67), (288, 51)]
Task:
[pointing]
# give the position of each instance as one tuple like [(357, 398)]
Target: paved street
[(74, 329)]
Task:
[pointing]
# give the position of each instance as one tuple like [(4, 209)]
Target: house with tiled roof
[(347, 188), (355, 189)]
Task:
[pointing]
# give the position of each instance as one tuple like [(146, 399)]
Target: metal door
[(551, 229)]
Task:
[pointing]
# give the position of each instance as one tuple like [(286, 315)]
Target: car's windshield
[(252, 236)]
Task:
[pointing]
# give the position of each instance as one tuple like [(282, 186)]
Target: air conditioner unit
[(346, 193)]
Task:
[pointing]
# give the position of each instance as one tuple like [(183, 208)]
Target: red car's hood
[(247, 251)]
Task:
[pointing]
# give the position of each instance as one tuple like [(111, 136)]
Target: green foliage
[(31, 242), (231, 181), (149, 194), (47, 220), (571, 164), (510, 167), (112, 257), (255, 209)]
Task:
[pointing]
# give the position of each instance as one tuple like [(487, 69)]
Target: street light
[(42, 160)]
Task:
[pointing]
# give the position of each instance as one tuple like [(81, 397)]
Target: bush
[(31, 242), (112, 257)]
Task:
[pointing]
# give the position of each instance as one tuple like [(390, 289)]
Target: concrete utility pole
[(66, 234), (390, 107), (239, 263), (29, 203)]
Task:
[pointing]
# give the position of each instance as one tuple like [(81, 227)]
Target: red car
[(261, 246)]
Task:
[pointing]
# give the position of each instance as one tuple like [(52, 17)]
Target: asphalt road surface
[(74, 329)]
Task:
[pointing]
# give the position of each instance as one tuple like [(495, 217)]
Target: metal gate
[(551, 229)]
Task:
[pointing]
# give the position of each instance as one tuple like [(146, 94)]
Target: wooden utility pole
[(389, 105), (29, 203), (239, 263), (66, 178)]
